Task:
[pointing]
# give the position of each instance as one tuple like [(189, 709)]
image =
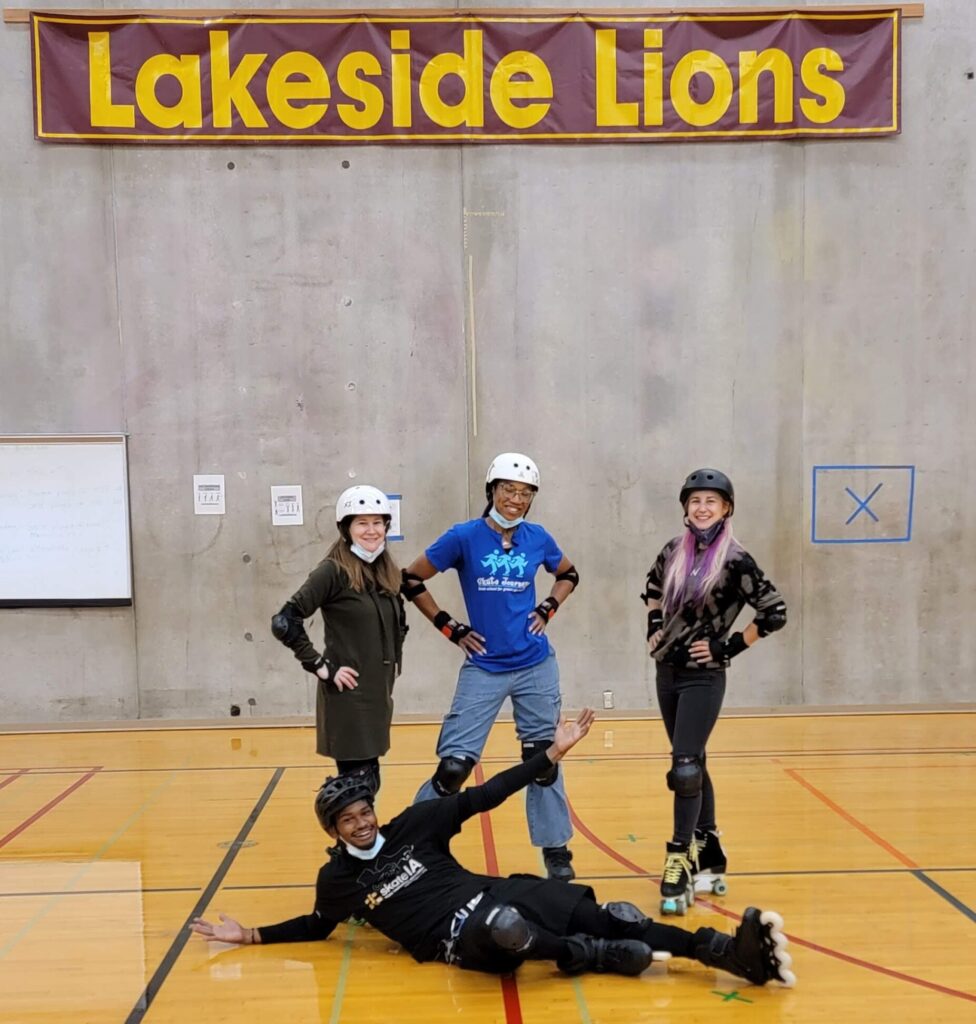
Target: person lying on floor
[(404, 881)]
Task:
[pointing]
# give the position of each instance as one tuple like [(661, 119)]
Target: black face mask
[(705, 537)]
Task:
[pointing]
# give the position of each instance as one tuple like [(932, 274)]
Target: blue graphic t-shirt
[(499, 587)]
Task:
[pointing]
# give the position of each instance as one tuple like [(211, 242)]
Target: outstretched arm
[(307, 928), (501, 786)]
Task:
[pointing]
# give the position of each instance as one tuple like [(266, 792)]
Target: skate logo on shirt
[(507, 565), (391, 877)]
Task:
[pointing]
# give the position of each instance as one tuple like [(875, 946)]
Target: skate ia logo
[(391, 878)]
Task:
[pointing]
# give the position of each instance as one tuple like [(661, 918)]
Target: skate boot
[(677, 887), (709, 862), (605, 956), (756, 952), (557, 860)]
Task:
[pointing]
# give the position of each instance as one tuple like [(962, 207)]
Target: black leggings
[(478, 952), (690, 701), (372, 763)]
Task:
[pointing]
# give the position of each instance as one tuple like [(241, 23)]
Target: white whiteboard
[(64, 521)]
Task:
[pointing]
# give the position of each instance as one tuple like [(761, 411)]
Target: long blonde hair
[(385, 571)]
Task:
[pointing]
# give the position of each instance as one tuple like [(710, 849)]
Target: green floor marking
[(340, 989), (728, 997)]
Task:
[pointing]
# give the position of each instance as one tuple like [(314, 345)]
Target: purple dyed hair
[(680, 586)]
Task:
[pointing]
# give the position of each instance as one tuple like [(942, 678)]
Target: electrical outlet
[(607, 699)]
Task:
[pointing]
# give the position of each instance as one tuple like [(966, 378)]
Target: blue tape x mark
[(862, 505)]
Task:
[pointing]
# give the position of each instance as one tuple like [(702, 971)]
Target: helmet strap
[(707, 536)]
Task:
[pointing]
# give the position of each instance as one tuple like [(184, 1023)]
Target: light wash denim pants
[(536, 703)]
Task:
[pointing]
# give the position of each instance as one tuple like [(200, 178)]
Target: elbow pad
[(288, 625), (570, 575), (771, 619), (412, 586)]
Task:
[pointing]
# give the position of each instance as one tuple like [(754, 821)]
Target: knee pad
[(532, 747), (626, 920), (508, 929), (451, 774), (686, 775)]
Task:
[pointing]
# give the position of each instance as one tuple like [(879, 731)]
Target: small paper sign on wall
[(394, 533), (208, 494), (286, 505)]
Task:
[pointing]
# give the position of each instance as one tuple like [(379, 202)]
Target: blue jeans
[(536, 703)]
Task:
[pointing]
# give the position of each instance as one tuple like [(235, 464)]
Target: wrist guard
[(655, 621), (454, 631), (725, 650), (546, 609), (321, 662)]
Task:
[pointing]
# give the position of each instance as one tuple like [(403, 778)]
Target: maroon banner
[(402, 76)]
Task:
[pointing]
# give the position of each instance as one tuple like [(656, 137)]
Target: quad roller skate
[(756, 952), (708, 862), (677, 880)]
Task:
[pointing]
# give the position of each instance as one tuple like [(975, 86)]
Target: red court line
[(851, 820), (27, 822), (836, 954), (510, 995), (13, 778)]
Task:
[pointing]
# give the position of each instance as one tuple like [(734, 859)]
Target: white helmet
[(513, 466), (362, 500)]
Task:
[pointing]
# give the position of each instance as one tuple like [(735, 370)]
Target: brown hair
[(385, 571)]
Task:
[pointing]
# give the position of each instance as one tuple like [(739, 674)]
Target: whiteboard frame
[(81, 602)]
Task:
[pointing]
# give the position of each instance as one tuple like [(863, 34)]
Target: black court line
[(946, 895), (273, 886), (151, 990)]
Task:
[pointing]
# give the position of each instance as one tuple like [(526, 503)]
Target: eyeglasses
[(516, 493)]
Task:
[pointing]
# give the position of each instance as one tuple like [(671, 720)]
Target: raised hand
[(568, 734)]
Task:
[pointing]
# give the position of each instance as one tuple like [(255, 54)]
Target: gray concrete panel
[(398, 316)]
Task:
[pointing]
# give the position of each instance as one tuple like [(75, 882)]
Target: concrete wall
[(308, 316)]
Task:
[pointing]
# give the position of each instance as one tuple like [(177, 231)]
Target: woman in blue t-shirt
[(507, 653)]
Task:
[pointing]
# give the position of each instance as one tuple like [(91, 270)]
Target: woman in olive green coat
[(356, 587)]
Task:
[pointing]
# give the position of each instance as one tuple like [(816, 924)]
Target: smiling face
[(511, 499), (356, 825), (369, 532), (705, 508)]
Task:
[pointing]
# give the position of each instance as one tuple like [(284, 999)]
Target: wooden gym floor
[(860, 829)]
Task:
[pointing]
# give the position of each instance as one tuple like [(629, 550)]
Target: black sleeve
[(308, 928), (321, 587), (655, 575), (499, 787)]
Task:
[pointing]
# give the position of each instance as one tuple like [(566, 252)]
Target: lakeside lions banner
[(499, 76)]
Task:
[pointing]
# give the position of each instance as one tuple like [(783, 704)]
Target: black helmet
[(338, 792), (708, 480)]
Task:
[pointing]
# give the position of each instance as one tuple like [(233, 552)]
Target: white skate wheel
[(660, 955), (780, 941), (771, 918), (719, 887), (785, 961), (788, 979)]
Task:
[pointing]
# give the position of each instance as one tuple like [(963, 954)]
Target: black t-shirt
[(412, 888)]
